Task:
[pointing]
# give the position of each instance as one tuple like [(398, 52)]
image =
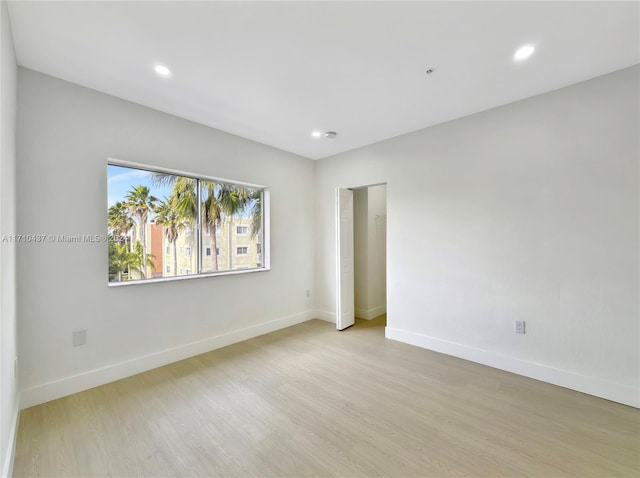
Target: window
[(141, 199)]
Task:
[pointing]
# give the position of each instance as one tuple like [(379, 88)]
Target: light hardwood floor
[(311, 401)]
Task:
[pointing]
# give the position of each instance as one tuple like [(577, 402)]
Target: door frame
[(338, 226)]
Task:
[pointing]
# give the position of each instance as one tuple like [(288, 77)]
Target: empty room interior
[(287, 239)]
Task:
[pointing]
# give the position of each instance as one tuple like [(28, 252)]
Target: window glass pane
[(150, 213), (153, 219), (231, 225)]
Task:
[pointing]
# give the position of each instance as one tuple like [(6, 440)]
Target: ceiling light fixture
[(162, 70), (316, 134), (330, 134), (430, 70), (524, 52)]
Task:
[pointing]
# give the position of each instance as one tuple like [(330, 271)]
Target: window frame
[(266, 224)]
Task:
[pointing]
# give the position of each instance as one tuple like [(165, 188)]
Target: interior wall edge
[(563, 378), (94, 378), (325, 315), (368, 314), (10, 455)]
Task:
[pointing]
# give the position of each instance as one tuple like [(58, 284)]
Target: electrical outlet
[(519, 327), (79, 338)]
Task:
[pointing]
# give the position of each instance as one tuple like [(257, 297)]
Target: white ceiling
[(275, 71)]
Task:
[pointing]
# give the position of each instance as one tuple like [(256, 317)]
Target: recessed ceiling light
[(330, 134), (430, 70), (316, 134), (524, 52), (162, 70)]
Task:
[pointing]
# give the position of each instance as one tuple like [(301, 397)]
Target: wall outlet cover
[(79, 337)]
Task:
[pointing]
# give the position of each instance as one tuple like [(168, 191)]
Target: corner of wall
[(325, 315), (9, 395), (10, 452)]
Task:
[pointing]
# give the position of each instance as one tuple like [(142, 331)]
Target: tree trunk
[(144, 250), (214, 246), (175, 258)]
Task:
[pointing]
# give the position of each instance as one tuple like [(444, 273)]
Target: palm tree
[(172, 222), (219, 200), (118, 262), (256, 212), (119, 222), (122, 260), (139, 203), (140, 261)]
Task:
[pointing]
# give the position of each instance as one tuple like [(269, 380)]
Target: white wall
[(369, 207), (360, 250), (65, 135), (377, 250), (528, 211), (8, 340)]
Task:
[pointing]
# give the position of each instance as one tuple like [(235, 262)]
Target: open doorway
[(361, 257)]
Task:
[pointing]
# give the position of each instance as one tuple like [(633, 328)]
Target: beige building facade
[(234, 249)]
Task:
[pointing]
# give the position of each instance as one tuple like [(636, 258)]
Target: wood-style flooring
[(311, 401)]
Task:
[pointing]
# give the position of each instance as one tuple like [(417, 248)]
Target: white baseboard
[(326, 316), (94, 378), (360, 313), (371, 313), (10, 455), (590, 385)]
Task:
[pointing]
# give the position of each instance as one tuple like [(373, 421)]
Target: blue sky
[(121, 180)]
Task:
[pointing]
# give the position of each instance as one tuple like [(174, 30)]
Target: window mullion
[(199, 215)]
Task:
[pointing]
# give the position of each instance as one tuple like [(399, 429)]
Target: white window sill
[(192, 276)]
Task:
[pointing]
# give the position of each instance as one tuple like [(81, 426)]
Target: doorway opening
[(361, 220)]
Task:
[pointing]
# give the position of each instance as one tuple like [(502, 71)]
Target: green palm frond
[(119, 222)]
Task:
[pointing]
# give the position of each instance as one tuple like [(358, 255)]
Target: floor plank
[(311, 401)]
